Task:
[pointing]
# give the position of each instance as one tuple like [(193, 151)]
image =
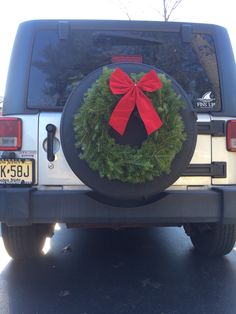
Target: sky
[(13, 12)]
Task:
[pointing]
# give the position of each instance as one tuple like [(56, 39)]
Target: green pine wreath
[(123, 162)]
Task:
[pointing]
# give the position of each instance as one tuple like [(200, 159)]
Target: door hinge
[(214, 170), (214, 128)]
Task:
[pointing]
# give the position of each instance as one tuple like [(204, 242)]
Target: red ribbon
[(121, 83)]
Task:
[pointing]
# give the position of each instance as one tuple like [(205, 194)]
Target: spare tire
[(116, 189)]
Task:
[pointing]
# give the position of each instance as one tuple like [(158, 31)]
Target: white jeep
[(45, 177)]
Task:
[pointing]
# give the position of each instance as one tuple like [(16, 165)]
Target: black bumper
[(22, 206)]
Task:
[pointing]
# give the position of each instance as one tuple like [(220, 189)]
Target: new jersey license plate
[(16, 171)]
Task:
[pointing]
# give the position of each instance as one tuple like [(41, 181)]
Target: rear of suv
[(44, 180)]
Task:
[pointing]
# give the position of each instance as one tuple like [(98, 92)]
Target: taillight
[(231, 135), (10, 133)]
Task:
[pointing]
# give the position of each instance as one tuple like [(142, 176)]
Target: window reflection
[(59, 65)]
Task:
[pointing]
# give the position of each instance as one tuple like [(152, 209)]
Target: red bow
[(121, 83)]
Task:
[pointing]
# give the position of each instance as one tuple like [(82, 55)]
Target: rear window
[(59, 65)]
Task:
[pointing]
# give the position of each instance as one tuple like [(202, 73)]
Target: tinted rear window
[(59, 65)]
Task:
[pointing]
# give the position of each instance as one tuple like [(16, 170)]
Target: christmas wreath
[(104, 107)]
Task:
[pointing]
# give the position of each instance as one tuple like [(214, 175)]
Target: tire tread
[(22, 242), (216, 242)]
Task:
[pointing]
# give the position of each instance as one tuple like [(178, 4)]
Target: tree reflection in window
[(59, 65)]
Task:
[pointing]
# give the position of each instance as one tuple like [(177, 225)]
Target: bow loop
[(150, 82), (121, 83)]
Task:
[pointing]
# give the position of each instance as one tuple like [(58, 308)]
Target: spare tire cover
[(115, 189)]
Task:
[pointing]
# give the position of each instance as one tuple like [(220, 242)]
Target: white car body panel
[(58, 172), (202, 155), (220, 153)]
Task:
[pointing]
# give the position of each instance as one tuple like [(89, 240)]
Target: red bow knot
[(121, 83)]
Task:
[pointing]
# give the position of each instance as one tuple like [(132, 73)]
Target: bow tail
[(122, 112), (148, 114)]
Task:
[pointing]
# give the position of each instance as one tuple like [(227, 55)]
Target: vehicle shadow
[(127, 271)]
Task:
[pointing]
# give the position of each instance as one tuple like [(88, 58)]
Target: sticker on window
[(206, 101)]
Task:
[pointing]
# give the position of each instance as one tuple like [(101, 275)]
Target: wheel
[(113, 188), (22, 242), (213, 239)]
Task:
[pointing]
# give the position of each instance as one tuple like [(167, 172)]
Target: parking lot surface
[(140, 271)]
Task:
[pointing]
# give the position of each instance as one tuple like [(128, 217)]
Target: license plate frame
[(17, 171)]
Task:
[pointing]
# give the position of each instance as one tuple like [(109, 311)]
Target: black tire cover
[(114, 189)]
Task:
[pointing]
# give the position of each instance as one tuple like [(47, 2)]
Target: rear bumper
[(22, 206)]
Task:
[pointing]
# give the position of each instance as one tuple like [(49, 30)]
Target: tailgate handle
[(51, 129)]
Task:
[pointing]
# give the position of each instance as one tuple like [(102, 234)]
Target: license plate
[(16, 171)]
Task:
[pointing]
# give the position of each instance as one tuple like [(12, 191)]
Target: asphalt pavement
[(138, 271)]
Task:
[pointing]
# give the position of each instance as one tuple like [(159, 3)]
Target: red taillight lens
[(231, 135), (10, 133)]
